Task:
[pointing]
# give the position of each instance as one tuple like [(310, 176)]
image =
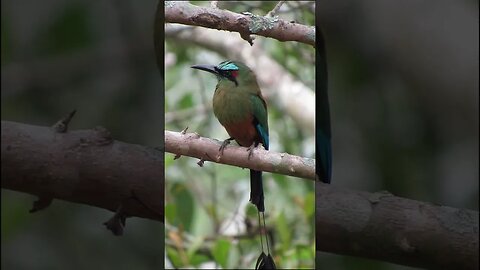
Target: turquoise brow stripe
[(227, 65)]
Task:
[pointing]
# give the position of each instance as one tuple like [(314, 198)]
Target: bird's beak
[(208, 68)]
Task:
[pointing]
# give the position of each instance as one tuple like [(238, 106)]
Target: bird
[(323, 145), (240, 108)]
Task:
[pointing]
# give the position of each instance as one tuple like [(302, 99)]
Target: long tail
[(323, 147), (256, 190)]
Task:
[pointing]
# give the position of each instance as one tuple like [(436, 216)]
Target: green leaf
[(198, 259), (220, 252), (304, 254), (185, 202), (174, 257)]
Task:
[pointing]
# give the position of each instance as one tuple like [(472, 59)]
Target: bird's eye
[(225, 73)]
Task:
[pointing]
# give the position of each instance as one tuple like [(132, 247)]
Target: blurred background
[(404, 102), (209, 221), (404, 97), (96, 57)]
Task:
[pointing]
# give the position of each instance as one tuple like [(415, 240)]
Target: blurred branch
[(245, 24), (191, 144), (278, 85), (277, 7), (83, 166), (384, 227)]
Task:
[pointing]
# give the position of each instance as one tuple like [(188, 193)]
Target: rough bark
[(245, 24), (82, 166), (385, 227), (191, 144)]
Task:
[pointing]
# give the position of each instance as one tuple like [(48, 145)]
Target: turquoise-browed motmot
[(240, 108)]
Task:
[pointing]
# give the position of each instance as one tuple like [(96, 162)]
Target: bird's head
[(229, 71)]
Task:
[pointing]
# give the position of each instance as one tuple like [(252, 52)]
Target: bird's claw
[(224, 144)]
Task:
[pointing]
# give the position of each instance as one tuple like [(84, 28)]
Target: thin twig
[(62, 125), (275, 9)]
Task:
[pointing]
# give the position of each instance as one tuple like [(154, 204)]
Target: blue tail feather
[(324, 152), (263, 135)]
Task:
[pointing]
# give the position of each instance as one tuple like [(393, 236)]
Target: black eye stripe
[(226, 73)]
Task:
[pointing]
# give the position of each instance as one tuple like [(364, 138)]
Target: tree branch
[(245, 24), (83, 166), (384, 227), (191, 144)]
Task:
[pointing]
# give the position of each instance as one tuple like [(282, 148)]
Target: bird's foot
[(224, 144), (250, 150)]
